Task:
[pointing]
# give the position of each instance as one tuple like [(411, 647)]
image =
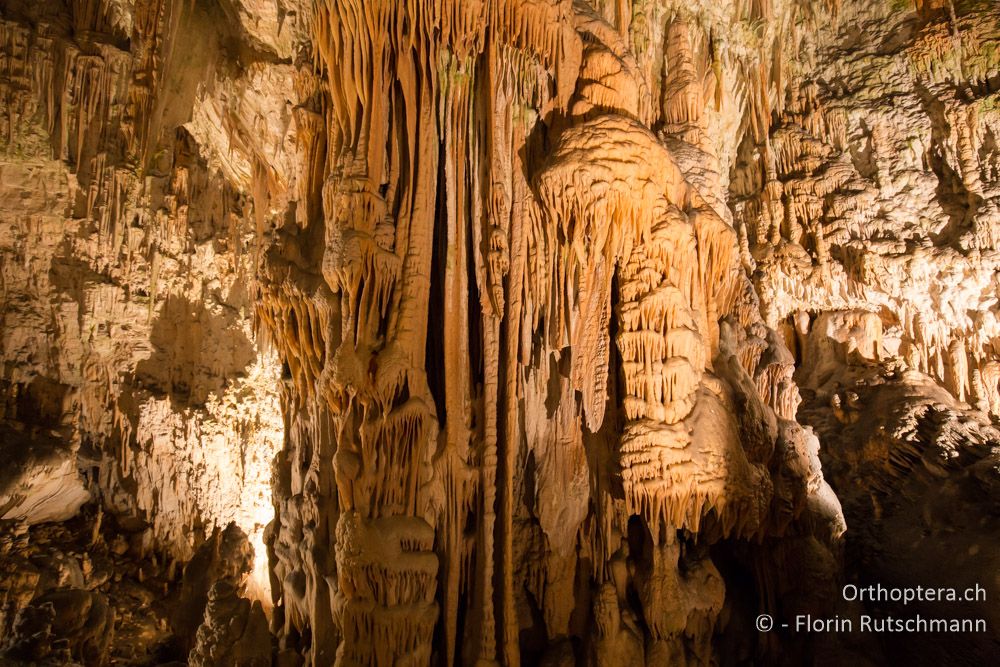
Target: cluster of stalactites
[(365, 47), (601, 213), (400, 80), (89, 110), (618, 199)]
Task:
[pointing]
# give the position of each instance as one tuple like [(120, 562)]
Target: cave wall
[(497, 312), (875, 191), (129, 351)]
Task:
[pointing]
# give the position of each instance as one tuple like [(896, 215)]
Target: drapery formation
[(510, 319), (518, 341)]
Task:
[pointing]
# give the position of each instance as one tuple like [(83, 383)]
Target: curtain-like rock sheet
[(370, 332), (530, 390)]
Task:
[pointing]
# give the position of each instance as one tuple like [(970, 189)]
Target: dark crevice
[(435, 352)]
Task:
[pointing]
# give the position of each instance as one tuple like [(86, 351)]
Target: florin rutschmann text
[(917, 623)]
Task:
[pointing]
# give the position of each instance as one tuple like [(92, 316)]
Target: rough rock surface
[(473, 332), (128, 344)]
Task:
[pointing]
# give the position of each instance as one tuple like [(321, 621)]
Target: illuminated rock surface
[(493, 331)]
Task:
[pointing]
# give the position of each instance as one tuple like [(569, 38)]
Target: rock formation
[(492, 331)]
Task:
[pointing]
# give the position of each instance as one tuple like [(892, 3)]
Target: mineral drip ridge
[(499, 332)]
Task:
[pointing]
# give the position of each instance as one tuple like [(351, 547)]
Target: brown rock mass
[(496, 332)]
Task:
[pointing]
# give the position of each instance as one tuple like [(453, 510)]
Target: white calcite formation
[(487, 331), (132, 367)]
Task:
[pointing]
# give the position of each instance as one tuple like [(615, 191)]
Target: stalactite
[(496, 288)]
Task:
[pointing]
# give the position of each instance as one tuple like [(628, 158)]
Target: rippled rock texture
[(492, 331)]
